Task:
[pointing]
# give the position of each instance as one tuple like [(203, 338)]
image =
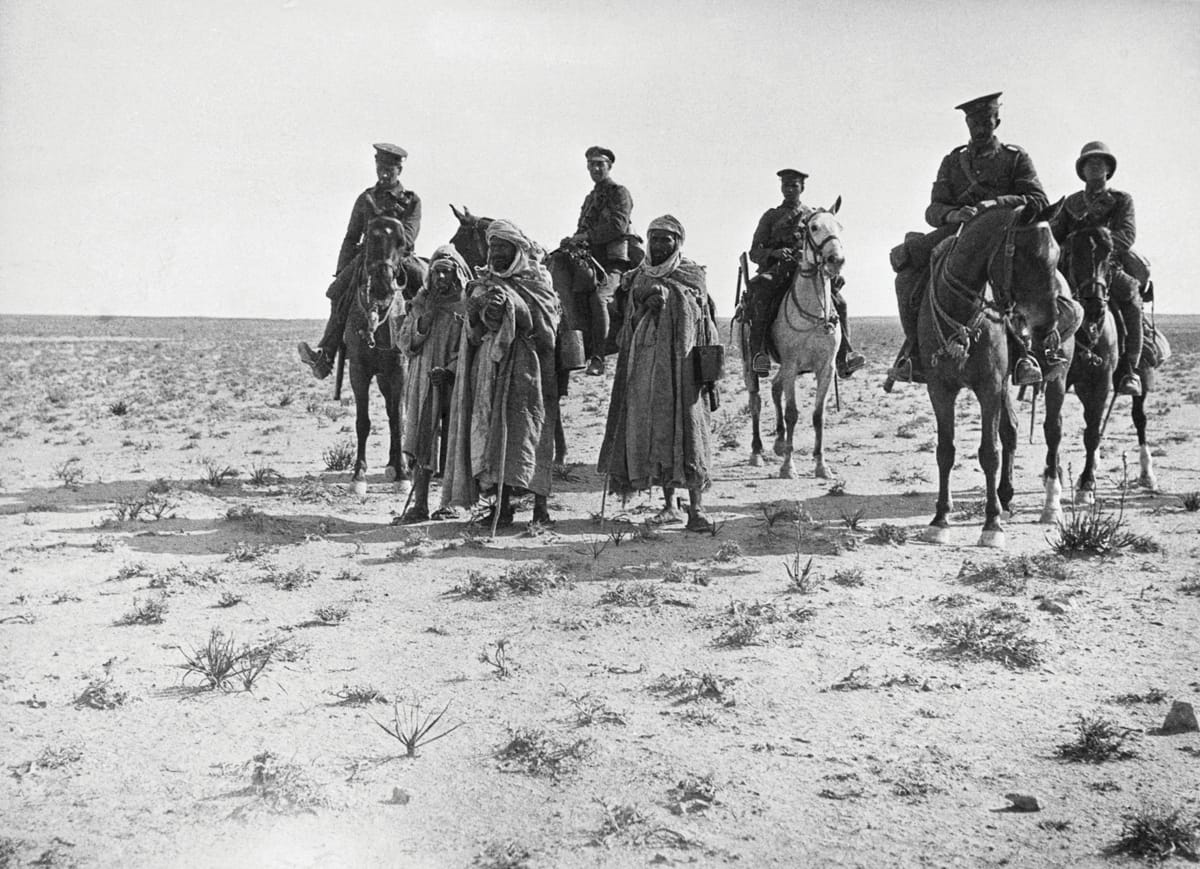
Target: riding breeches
[(1125, 298)]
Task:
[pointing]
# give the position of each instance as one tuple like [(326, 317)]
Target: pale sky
[(201, 158)]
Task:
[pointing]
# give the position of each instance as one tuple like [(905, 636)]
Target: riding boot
[(760, 322), (1129, 383), (848, 361), (908, 367), (598, 323)]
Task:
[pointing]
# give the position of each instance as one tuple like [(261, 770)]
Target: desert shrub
[(340, 457), (148, 612), (690, 686), (534, 752), (214, 474), (413, 729), (996, 634), (1097, 740), (1159, 832), (221, 663), (100, 694), (632, 594), (70, 472)]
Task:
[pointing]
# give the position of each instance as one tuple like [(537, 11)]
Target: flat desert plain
[(213, 653)]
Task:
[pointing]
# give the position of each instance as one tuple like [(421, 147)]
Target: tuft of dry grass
[(996, 634), (1159, 832), (148, 612), (690, 686), (534, 752), (414, 729), (632, 594), (100, 694), (1097, 740)]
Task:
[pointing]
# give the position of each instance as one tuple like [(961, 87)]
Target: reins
[(809, 270)]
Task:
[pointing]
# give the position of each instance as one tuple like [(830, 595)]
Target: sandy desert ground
[(809, 686)]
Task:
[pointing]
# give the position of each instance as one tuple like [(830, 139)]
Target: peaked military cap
[(1096, 149), (597, 151), (988, 101), (389, 153), (788, 174)]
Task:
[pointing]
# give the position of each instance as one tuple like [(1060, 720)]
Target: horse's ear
[(458, 214), (837, 205), (1050, 212)]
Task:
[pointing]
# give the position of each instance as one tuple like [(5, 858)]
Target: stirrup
[(1027, 372), (902, 371), (760, 364), (1130, 384), (853, 362)]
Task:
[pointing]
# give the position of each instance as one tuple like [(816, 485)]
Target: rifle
[(339, 363)]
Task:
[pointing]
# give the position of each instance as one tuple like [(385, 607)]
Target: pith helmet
[(1096, 149)]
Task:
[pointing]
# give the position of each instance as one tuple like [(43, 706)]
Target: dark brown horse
[(372, 329), (1087, 263), (470, 240), (965, 338)]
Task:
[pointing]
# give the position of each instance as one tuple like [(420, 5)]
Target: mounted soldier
[(387, 198), (1100, 206), (587, 266), (775, 249), (980, 174)]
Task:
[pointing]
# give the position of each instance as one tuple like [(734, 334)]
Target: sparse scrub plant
[(852, 520), (503, 854), (340, 457), (228, 599), (1097, 739), (479, 586), (1190, 501), (148, 612), (221, 662), (533, 751), (119, 407), (632, 594), (290, 580), (1159, 832), (359, 695), (728, 551), (1153, 695), (70, 472), (279, 787), (413, 728), (100, 694), (262, 475), (331, 614), (849, 577), (533, 578), (214, 474), (496, 655), (690, 686), (1092, 531), (895, 535), (996, 634), (590, 709), (801, 580)]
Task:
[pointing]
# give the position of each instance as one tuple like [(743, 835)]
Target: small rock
[(400, 797), (1181, 719), (1054, 607), (1022, 803)]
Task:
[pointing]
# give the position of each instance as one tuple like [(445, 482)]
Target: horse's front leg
[(784, 389), (1146, 478), (754, 403), (943, 399), (1093, 392), (824, 379), (391, 386), (1056, 390), (989, 462), (1007, 430), (360, 382)]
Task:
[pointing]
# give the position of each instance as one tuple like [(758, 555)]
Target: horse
[(966, 336), (805, 335), (372, 328), (1087, 260), (470, 240)]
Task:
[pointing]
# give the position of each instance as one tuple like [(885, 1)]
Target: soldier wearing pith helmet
[(981, 174), (1098, 205), (388, 197)]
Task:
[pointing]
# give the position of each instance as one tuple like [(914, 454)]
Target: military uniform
[(1129, 272), (391, 200), (585, 293), (968, 176), (782, 228)]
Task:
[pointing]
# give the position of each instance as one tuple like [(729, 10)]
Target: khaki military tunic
[(395, 201), (969, 175)]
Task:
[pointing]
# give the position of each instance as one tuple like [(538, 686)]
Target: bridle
[(814, 266), (375, 305)]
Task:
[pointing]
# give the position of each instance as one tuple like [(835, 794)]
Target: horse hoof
[(786, 472), (939, 534), (1086, 497), (992, 539), (756, 460), (360, 488), (402, 487), (389, 474), (1147, 481), (821, 473), (781, 448)]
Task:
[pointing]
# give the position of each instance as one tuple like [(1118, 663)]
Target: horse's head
[(384, 249), (1087, 254), (822, 240), (470, 239), (1023, 260)]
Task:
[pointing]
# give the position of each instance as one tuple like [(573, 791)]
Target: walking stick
[(503, 446), (1032, 410), (737, 301), (1108, 413), (837, 397)]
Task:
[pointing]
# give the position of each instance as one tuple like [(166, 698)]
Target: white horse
[(806, 334)]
